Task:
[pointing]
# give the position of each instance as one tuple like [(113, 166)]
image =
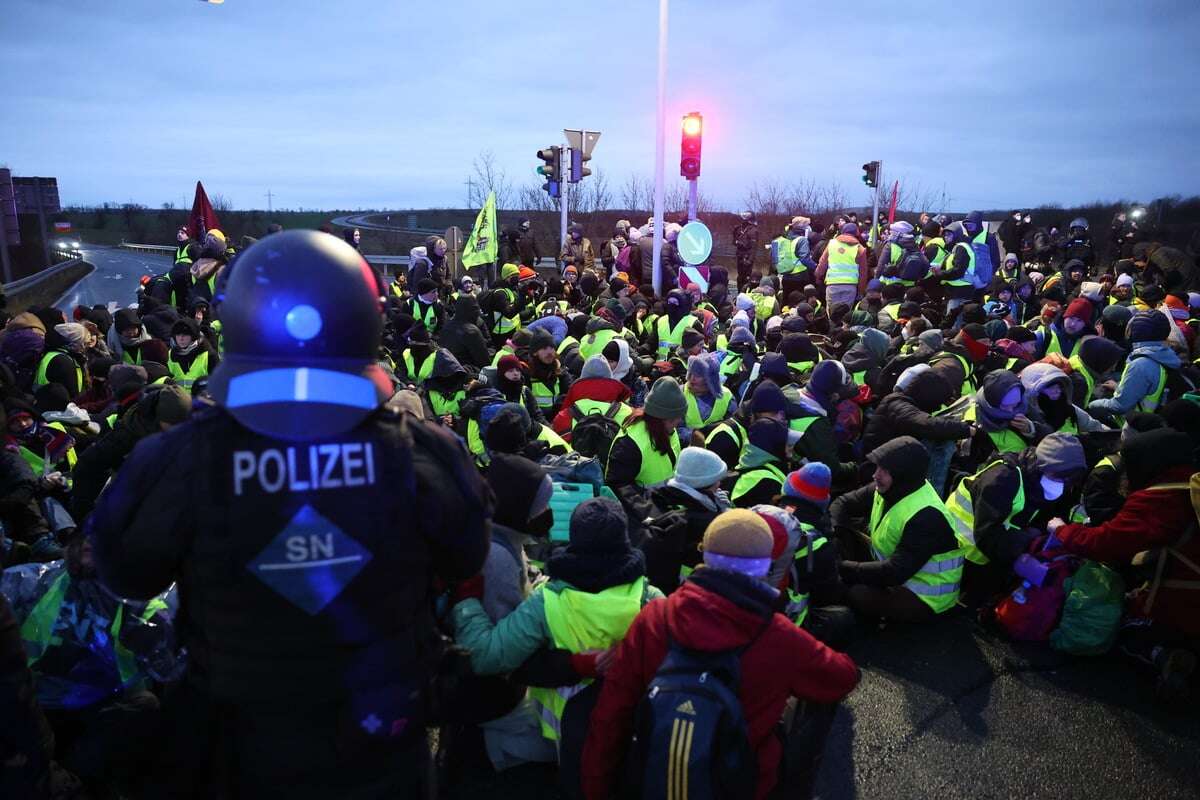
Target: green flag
[(483, 245)]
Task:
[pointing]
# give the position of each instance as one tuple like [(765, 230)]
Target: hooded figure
[(909, 411), (443, 391), (463, 336), (1049, 395), (1147, 368), (708, 401), (865, 359), (895, 583)]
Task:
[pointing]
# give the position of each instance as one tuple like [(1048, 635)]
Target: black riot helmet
[(302, 324)]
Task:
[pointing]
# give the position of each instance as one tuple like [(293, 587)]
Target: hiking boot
[(1175, 668)]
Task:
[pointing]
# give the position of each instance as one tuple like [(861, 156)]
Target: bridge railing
[(387, 263)]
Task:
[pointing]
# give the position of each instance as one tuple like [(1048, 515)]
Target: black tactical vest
[(308, 576)]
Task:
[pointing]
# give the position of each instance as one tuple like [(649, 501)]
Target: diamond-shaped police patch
[(310, 562)]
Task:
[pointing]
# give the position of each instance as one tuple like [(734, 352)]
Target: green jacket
[(506, 645)]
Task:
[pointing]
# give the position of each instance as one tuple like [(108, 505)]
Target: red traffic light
[(689, 146)]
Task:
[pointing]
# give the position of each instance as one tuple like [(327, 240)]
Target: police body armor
[(292, 574)]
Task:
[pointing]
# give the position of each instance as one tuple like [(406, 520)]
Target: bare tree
[(487, 176), (221, 203), (637, 193), (532, 197), (596, 194), (767, 199)]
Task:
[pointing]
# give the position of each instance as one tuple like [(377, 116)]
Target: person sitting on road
[(725, 605), (917, 559)]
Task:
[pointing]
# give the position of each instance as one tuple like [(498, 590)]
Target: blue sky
[(377, 103)]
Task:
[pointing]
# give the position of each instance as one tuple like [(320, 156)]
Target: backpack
[(1095, 597), (985, 270), (594, 433), (914, 266), (1031, 613), (690, 736)]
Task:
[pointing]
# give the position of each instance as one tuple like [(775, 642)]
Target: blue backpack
[(690, 737), (985, 270)]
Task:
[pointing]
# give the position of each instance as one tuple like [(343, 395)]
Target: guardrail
[(375, 260), (151, 249)]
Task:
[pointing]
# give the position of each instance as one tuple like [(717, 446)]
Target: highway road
[(115, 279), (363, 222)]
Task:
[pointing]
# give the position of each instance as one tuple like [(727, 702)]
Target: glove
[(468, 589)]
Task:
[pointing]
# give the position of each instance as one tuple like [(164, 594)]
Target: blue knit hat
[(810, 483)]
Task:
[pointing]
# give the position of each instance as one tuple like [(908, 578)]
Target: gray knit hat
[(699, 468), (665, 399)]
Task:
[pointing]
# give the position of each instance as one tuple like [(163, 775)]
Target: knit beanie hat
[(1079, 308), (691, 338), (74, 334), (741, 336), (595, 367), (811, 483), (174, 405), (774, 366), (508, 429), (541, 340), (699, 468), (127, 379), (827, 379), (1124, 279), (665, 399), (507, 362), (1149, 326), (599, 526), (1117, 315), (739, 540), (509, 271), (770, 436), (767, 399)]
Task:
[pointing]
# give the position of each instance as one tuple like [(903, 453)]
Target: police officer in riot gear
[(304, 522)]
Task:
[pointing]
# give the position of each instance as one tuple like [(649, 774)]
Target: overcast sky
[(384, 104)]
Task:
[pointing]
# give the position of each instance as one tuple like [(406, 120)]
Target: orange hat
[(526, 273)]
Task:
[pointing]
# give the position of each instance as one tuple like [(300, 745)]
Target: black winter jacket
[(462, 336)]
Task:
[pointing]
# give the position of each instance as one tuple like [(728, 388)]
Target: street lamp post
[(660, 146)]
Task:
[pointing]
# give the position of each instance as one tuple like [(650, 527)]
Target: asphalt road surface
[(950, 711), (115, 279)]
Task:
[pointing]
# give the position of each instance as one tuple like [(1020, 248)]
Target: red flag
[(203, 218), (892, 209)]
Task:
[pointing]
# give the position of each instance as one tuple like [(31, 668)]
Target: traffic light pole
[(563, 193), (692, 193), (872, 232)]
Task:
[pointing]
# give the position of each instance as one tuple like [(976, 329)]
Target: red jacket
[(1147, 520), (603, 389), (784, 662)]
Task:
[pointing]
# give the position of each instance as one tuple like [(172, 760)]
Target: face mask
[(1051, 489)]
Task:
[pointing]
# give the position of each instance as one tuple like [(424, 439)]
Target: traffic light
[(689, 147), (871, 173), (551, 169), (578, 170)]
